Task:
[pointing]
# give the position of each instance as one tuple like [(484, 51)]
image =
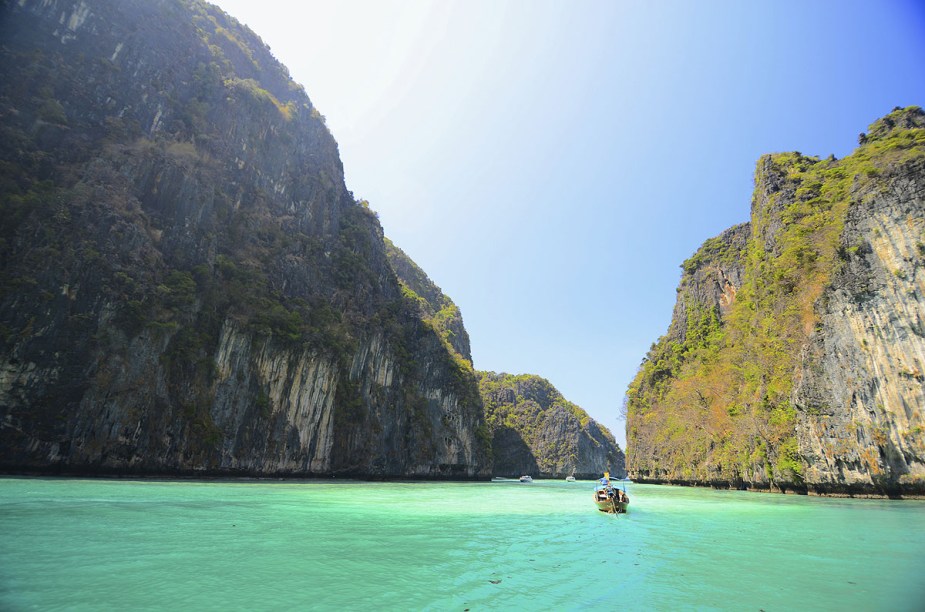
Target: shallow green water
[(110, 544)]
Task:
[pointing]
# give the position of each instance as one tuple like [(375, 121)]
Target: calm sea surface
[(128, 545)]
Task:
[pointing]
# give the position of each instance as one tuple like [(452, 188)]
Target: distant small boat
[(569, 479), (526, 479), (610, 499)]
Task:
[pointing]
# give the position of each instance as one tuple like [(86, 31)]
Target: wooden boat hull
[(610, 505)]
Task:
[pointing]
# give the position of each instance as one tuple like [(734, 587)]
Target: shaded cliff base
[(856, 491)]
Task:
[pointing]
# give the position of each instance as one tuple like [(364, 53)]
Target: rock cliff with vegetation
[(435, 308), (536, 431), (795, 357), (532, 428), (186, 284)]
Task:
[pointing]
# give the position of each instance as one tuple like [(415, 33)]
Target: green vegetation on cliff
[(435, 308), (536, 431), (530, 427), (712, 401), (186, 284)]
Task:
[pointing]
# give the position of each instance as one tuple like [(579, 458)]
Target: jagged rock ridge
[(795, 355), (186, 284)]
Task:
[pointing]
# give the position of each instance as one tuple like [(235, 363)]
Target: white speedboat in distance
[(526, 479)]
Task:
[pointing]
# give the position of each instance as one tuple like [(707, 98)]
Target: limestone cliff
[(538, 432), (859, 387), (795, 355), (532, 428), (186, 284)]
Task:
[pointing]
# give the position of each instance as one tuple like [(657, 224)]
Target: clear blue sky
[(551, 164)]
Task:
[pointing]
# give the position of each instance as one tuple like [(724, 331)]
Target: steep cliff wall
[(186, 285), (670, 425), (435, 307), (795, 353), (538, 432), (860, 387), (532, 428)]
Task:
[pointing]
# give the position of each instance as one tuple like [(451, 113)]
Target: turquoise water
[(114, 544)]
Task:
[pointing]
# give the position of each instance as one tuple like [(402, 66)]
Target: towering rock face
[(538, 432), (859, 387), (186, 285), (795, 356)]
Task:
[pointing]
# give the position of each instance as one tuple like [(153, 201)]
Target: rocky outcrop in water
[(538, 432), (186, 284), (795, 355)]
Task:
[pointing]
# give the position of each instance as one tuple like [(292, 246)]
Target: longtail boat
[(610, 499)]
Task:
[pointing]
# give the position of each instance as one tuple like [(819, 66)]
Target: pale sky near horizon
[(551, 164)]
